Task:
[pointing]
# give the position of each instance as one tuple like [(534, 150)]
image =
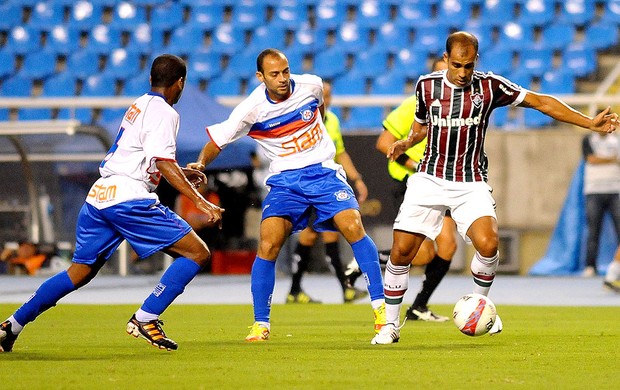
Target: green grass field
[(313, 347)]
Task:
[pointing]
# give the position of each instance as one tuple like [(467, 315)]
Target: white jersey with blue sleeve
[(147, 134), (291, 132)]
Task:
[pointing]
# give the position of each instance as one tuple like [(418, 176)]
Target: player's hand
[(605, 122), (362, 190), (213, 212), (197, 166), (397, 148), (195, 176)]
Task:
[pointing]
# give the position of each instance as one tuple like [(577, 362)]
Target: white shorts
[(428, 198)]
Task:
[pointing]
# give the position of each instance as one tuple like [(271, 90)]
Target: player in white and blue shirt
[(123, 205), (284, 116)]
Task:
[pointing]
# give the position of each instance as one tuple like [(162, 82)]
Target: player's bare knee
[(268, 250), (487, 246)]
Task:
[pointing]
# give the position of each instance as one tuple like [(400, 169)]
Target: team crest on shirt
[(307, 115), (342, 195), (477, 99)]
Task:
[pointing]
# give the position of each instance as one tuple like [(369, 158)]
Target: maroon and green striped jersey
[(457, 119)]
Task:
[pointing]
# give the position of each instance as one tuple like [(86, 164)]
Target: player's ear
[(260, 77)]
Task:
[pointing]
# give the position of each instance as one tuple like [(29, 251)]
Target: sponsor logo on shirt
[(436, 120), (132, 113), (505, 90)]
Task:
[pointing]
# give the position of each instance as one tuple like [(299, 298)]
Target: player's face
[(277, 77), (180, 84), (461, 64)]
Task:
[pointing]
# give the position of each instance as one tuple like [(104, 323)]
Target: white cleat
[(388, 334), (497, 326)]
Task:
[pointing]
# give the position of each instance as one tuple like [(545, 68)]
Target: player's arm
[(385, 140), (322, 111), (173, 173), (416, 135), (605, 121), (208, 153), (353, 175)]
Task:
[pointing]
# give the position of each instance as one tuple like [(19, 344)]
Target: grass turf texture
[(313, 346)]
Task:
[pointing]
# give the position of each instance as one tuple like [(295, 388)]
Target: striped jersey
[(291, 132), (457, 119)]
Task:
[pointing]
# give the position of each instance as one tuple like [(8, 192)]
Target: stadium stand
[(368, 46)]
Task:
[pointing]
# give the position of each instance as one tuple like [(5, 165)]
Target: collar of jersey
[(156, 94), (445, 79), (271, 101)]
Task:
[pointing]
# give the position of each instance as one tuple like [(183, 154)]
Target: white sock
[(395, 284), (144, 316), (16, 327), (613, 272), (483, 270)]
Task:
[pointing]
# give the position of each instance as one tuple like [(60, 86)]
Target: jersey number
[(113, 147)]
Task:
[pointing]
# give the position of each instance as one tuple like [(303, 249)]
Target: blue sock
[(365, 252), (263, 281), (45, 297), (171, 285)]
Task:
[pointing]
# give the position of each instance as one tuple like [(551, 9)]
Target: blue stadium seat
[(289, 15), (520, 77), (207, 65), (498, 60), (411, 63), (112, 115), (39, 65), (83, 63), (248, 14), (185, 39), (228, 39), (63, 39), (350, 83), (392, 37), (580, 60), (310, 40), (389, 83), (85, 15), (498, 13), (45, 14), (122, 64), (601, 35), (126, 15), (268, 36), (99, 85), (352, 38), (226, 85), (412, 12), (454, 13), (34, 114), (373, 14), (4, 114), (515, 36), (612, 12), (22, 40), (139, 84), (330, 63), (577, 12), (103, 39), (167, 16), (371, 63), (330, 14), (536, 61), (364, 118), (557, 36), (12, 15), (17, 86), (499, 116), (7, 64), (62, 84), (483, 31), (534, 119), (558, 82), (537, 12), (145, 40), (430, 37), (206, 16)]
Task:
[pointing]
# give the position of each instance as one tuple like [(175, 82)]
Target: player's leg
[(612, 276), (273, 234), (332, 253), (435, 271), (301, 259), (485, 239), (95, 242), (594, 216)]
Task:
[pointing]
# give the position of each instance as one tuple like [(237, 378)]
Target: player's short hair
[(463, 38), (166, 70), (265, 53)]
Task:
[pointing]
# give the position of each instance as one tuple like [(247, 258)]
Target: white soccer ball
[(474, 314)]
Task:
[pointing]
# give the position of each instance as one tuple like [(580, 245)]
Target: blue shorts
[(147, 226), (296, 193)]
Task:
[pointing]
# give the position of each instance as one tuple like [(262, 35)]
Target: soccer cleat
[(389, 334), (352, 294), (300, 297), (258, 332), (497, 327), (352, 272), (424, 314), (612, 286), (152, 332), (589, 272), (379, 317), (7, 338)]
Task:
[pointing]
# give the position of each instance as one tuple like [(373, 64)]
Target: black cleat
[(424, 314), (7, 338), (152, 332)]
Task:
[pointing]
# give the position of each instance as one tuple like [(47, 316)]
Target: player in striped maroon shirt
[(453, 108)]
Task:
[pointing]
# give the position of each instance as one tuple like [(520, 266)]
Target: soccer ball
[(474, 314)]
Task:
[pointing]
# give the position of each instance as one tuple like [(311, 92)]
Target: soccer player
[(308, 237), (123, 205), (453, 108), (284, 114)]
